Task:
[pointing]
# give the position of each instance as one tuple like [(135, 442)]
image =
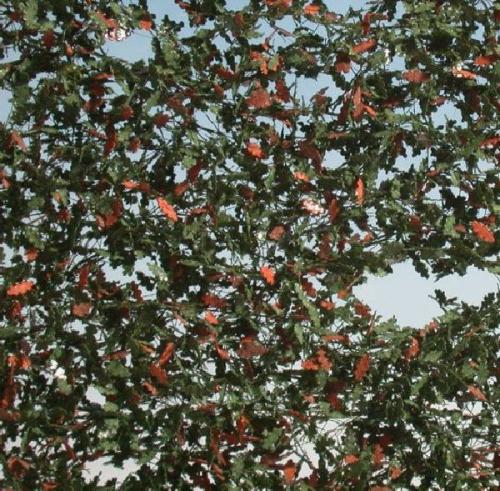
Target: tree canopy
[(181, 237)]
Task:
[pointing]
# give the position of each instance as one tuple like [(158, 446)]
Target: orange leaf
[(351, 459), (362, 367), (416, 76), (333, 210), (31, 254), (301, 176), (395, 472), (167, 354), (210, 318), (476, 392), (311, 9), (277, 232), (483, 232), (146, 24), (364, 46), (21, 288), (268, 274), (167, 209), (259, 99), (254, 150), (327, 305), (465, 74), (222, 353), (413, 350), (359, 191), (81, 309), (289, 471)]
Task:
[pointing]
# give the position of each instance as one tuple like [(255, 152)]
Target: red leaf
[(362, 309), (395, 472), (484, 60), (416, 76), (259, 99), (476, 392), (254, 150), (81, 309), (167, 209), (362, 367), (359, 191), (413, 350), (126, 112), (160, 120), (213, 301), (483, 232), (268, 274), (289, 471), (21, 288), (49, 39), (111, 141), (364, 46)]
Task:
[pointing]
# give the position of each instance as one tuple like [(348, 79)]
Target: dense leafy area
[(182, 236)]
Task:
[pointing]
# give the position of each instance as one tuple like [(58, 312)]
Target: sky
[(404, 294)]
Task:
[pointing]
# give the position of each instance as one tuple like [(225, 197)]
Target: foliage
[(182, 236)]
